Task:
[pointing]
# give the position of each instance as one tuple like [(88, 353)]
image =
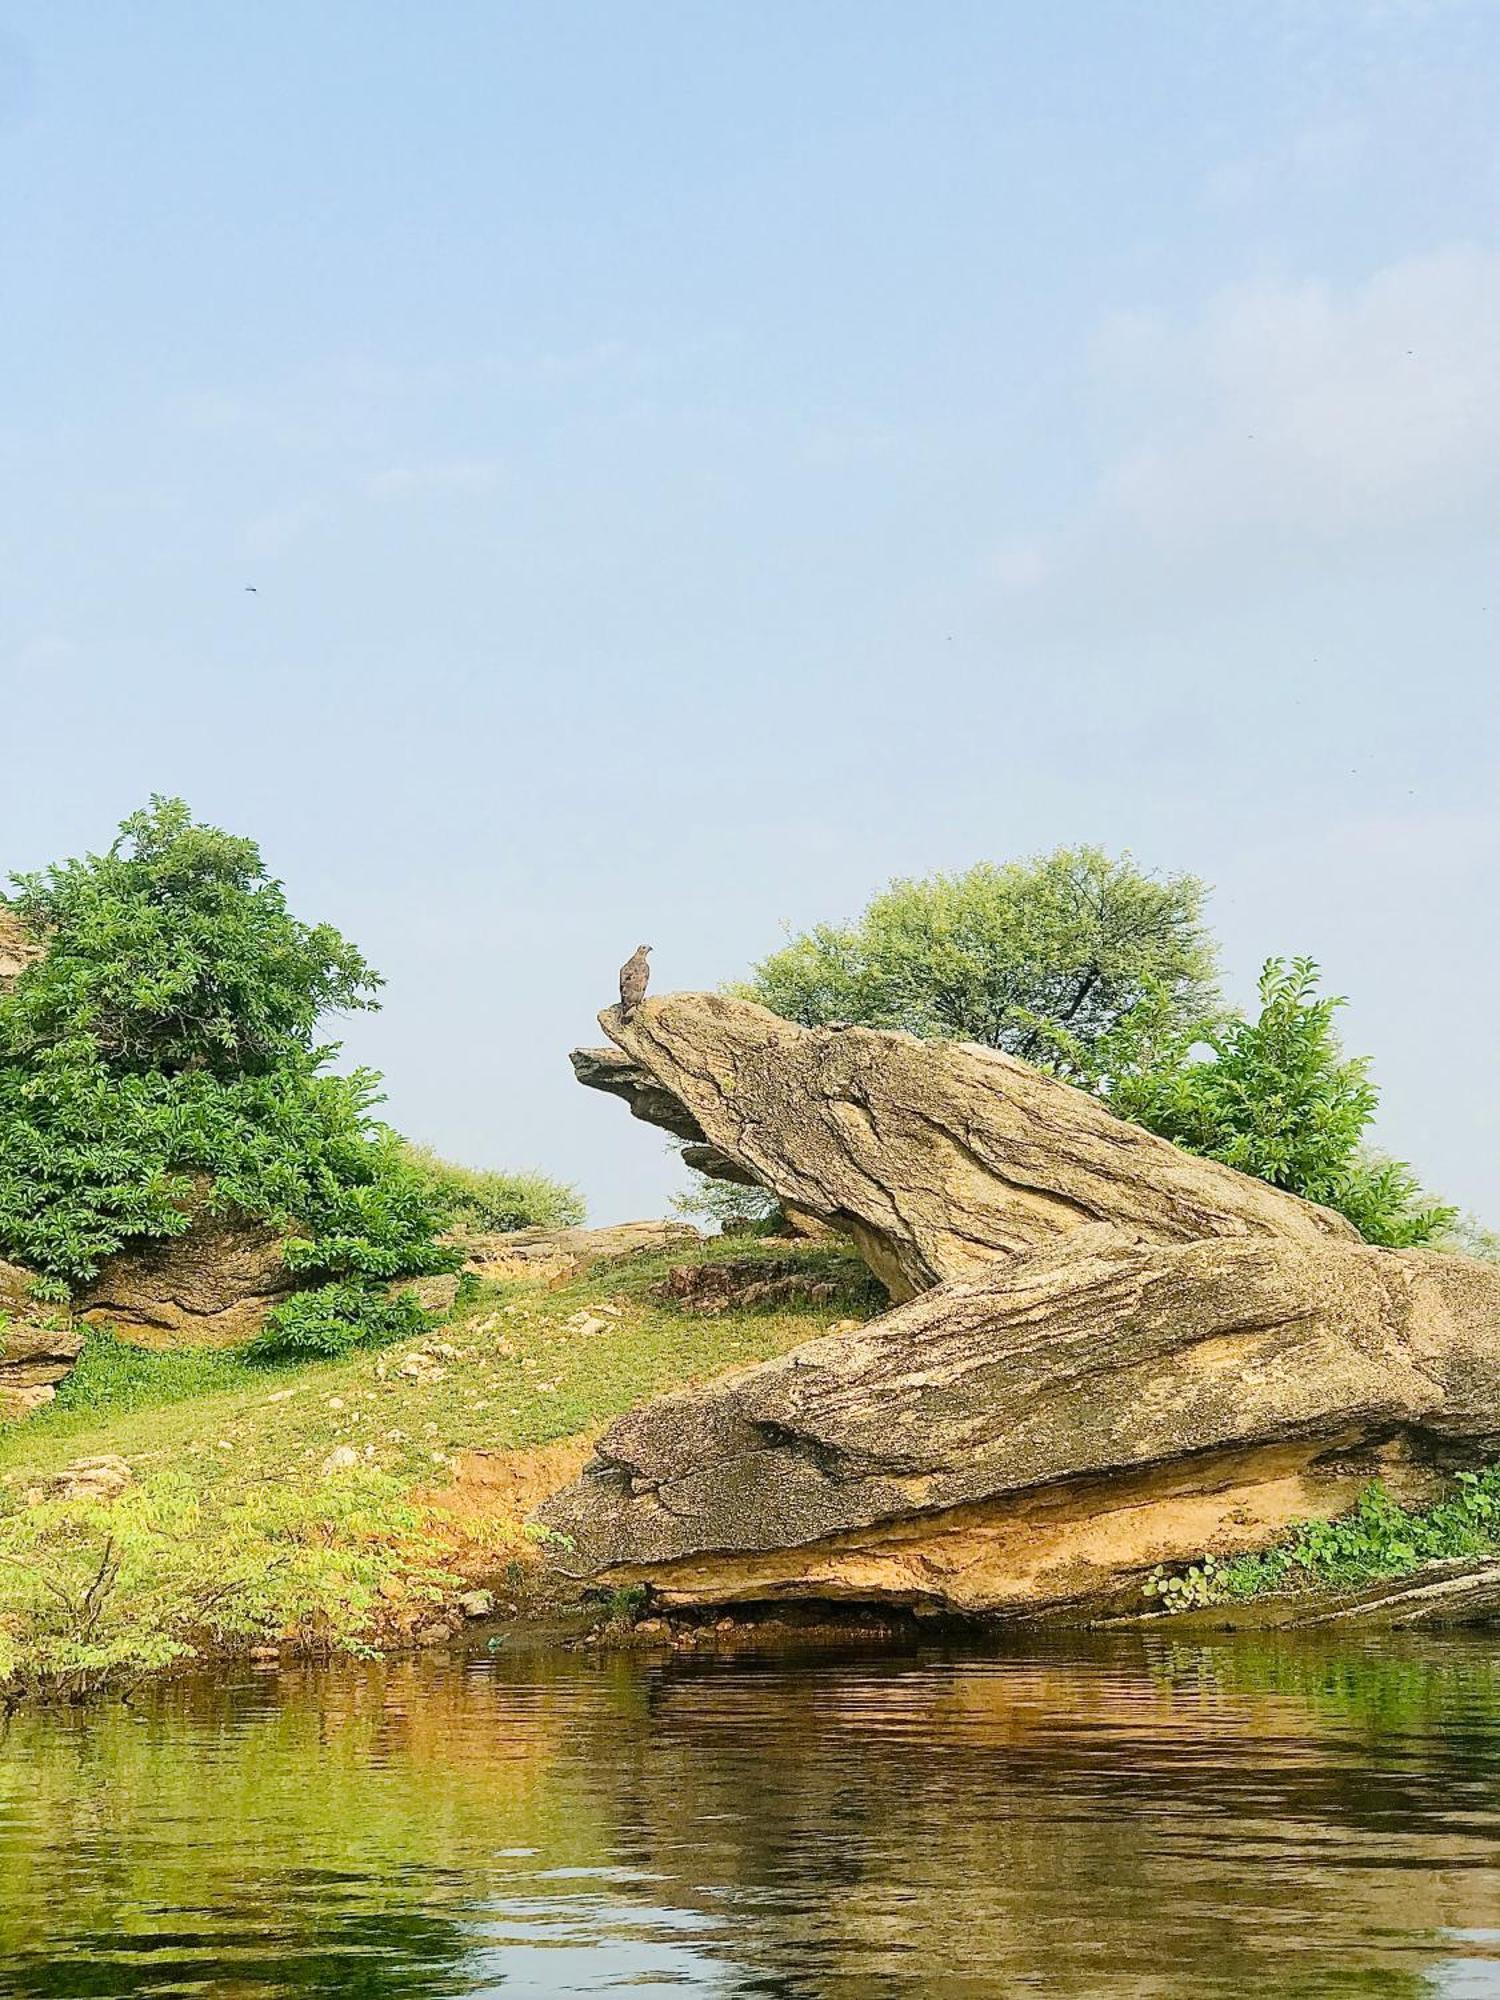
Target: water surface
[(1249, 1816)]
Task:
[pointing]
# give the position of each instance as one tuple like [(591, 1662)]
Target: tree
[(164, 1050), (1074, 961), (1277, 1097)]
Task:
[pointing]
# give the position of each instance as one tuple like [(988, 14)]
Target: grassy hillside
[(303, 1505)]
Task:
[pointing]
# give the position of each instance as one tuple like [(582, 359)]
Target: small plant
[(331, 1320), (623, 1607), (1378, 1538), (1193, 1589)]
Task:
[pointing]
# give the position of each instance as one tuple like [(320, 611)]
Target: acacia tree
[(1075, 961)]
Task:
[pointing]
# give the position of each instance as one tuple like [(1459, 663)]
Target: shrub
[(166, 1043), (733, 1206), (94, 1593), (483, 1200), (1076, 962), (331, 1320), (1276, 1097)]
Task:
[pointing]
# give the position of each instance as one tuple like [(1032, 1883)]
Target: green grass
[(518, 1376), (234, 1530)]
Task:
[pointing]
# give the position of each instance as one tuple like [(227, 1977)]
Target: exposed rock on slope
[(936, 1157), (1112, 1354), (1039, 1438), (37, 1349), (558, 1255), (210, 1287)]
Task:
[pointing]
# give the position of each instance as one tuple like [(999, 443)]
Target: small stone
[(281, 1395), (334, 1402), (435, 1634), (477, 1603), (340, 1459), (102, 1478)]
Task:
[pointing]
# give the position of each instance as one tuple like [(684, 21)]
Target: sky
[(698, 460)]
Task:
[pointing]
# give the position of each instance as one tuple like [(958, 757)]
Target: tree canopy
[(1075, 961), (166, 1041)]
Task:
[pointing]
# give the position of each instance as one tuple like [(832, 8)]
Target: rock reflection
[(1252, 1816)]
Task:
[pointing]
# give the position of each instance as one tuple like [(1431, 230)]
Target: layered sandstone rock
[(1110, 1355), (936, 1157), (210, 1287), (555, 1256)]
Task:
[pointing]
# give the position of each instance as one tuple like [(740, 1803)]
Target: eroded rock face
[(18, 946), (37, 1346), (210, 1287), (936, 1157), (1040, 1438)]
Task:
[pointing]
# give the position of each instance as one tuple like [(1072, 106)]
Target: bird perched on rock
[(635, 976)]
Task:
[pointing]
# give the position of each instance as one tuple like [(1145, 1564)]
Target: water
[(1246, 1817)]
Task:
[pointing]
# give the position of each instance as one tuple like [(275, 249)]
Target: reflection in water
[(1257, 1816)]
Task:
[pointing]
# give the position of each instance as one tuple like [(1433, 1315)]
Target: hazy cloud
[(1285, 410)]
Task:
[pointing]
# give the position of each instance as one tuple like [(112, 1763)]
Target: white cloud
[(1292, 414)]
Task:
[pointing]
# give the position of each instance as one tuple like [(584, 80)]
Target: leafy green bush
[(486, 1201), (1073, 961), (94, 1593), (162, 1054), (331, 1320), (1276, 1097)]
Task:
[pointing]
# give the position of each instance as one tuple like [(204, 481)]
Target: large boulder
[(1108, 1354), (1041, 1437), (936, 1157)]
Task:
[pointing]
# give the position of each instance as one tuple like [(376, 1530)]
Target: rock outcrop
[(210, 1287), (18, 946), (556, 1256), (1110, 1354), (37, 1346), (936, 1157), (1041, 1438)]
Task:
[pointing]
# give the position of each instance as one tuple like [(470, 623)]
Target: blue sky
[(697, 461)]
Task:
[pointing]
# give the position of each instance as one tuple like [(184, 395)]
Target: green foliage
[(1192, 1589), (162, 1055), (728, 1203), (334, 1319), (94, 1593), (1276, 1097), (1380, 1538), (1073, 961), (483, 1201), (175, 951), (113, 1375)]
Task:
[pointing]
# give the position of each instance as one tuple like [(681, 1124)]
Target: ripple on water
[(1240, 1817)]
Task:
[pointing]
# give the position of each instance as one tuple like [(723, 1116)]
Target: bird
[(635, 975), (252, 590)]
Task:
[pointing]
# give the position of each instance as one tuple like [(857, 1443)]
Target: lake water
[(1247, 1816)]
